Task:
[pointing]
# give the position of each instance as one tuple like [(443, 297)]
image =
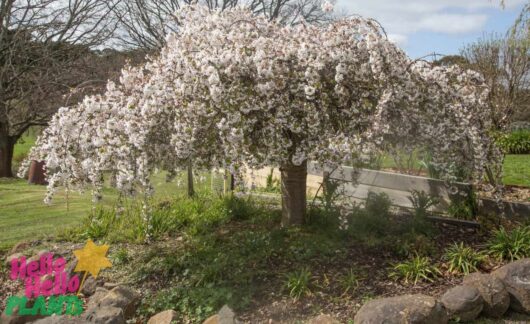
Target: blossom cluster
[(233, 90)]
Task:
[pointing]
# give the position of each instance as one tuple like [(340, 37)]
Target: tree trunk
[(191, 191), (36, 173), (294, 183), (7, 145)]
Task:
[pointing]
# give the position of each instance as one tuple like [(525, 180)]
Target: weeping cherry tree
[(233, 90)]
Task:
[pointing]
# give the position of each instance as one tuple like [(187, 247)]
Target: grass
[(24, 215), (25, 143), (517, 170)]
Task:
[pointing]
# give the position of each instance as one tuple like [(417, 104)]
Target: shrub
[(463, 207), (516, 142), (463, 259), (298, 283), (98, 224), (415, 270), (511, 245), (421, 202), (372, 220), (378, 204), (326, 215)]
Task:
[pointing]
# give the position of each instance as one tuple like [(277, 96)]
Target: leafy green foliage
[(421, 202), (121, 256), (326, 215), (432, 171), (510, 245), (297, 283), (417, 269), (463, 207), (371, 221), (195, 304), (463, 259), (200, 214), (516, 142)]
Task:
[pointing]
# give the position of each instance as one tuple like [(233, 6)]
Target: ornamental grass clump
[(415, 270), (510, 245), (463, 259)]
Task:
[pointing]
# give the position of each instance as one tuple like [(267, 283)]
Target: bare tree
[(145, 23), (505, 64), (44, 54)]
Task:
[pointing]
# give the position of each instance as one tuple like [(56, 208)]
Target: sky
[(422, 27)]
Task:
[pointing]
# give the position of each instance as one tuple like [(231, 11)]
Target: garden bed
[(235, 253)]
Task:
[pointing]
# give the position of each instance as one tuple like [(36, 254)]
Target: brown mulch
[(512, 193), (374, 264)]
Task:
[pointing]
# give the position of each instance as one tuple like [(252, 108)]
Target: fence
[(356, 183)]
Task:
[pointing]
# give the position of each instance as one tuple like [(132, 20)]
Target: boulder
[(402, 309), (15, 318), (516, 278), (165, 317), (89, 286), (62, 319), (18, 319), (70, 266), (38, 255), (224, 316), (122, 297), (20, 247), (214, 319), (463, 303), (97, 297), (110, 285), (105, 315), (493, 292), (323, 319), (10, 257)]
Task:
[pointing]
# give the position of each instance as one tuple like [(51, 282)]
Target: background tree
[(146, 23), (44, 53), (504, 61)]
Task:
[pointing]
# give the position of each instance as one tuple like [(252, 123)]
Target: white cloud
[(399, 39), (452, 23), (402, 17)]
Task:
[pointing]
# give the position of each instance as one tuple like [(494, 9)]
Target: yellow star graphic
[(92, 258)]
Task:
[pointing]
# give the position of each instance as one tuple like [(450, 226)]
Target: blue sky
[(422, 27)]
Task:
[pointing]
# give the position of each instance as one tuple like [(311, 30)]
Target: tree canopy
[(234, 90)]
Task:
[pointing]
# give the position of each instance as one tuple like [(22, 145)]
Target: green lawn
[(517, 170), (23, 214), (25, 142)]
